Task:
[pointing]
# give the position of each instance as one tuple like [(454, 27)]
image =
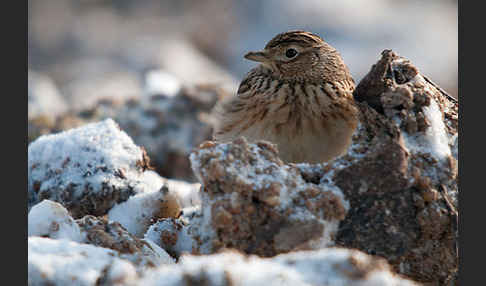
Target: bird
[(299, 97)]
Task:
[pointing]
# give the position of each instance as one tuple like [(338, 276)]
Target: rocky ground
[(131, 191)]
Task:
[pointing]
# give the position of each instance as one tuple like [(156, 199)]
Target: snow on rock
[(64, 262), (165, 198), (393, 194), (86, 169), (51, 219), (172, 235), (252, 201), (111, 234), (403, 189), (426, 116), (142, 210), (167, 127), (187, 194), (324, 267)]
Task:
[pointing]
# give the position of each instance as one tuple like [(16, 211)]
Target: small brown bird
[(299, 97)]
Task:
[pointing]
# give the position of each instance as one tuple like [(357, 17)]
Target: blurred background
[(83, 52), (95, 47)]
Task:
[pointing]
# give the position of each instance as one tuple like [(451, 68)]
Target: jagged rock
[(412, 220), (87, 170), (393, 194), (140, 211), (324, 267), (172, 235), (252, 201), (50, 219), (110, 234)]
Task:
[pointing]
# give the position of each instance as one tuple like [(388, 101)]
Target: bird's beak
[(259, 56)]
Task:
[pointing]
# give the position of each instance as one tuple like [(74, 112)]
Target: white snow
[(51, 219), (157, 254), (187, 193), (63, 262), (184, 242), (330, 266), (139, 211), (435, 140), (136, 213), (88, 155)]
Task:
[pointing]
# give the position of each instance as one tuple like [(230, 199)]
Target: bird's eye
[(290, 53)]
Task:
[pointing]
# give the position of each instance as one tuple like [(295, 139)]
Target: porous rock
[(101, 232), (405, 210), (253, 202), (393, 194), (88, 169)]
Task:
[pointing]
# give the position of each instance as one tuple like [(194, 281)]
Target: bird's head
[(300, 56)]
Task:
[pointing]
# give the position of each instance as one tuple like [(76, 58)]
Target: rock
[(324, 267), (169, 199), (167, 127), (110, 234), (406, 211), (393, 194), (64, 262), (253, 202), (88, 169), (172, 235), (142, 210), (51, 219)]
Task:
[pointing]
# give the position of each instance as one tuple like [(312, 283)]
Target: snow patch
[(51, 219)]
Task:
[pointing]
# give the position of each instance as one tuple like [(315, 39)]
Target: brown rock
[(398, 179), (258, 205)]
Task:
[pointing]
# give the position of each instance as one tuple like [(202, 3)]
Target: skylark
[(299, 97)]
